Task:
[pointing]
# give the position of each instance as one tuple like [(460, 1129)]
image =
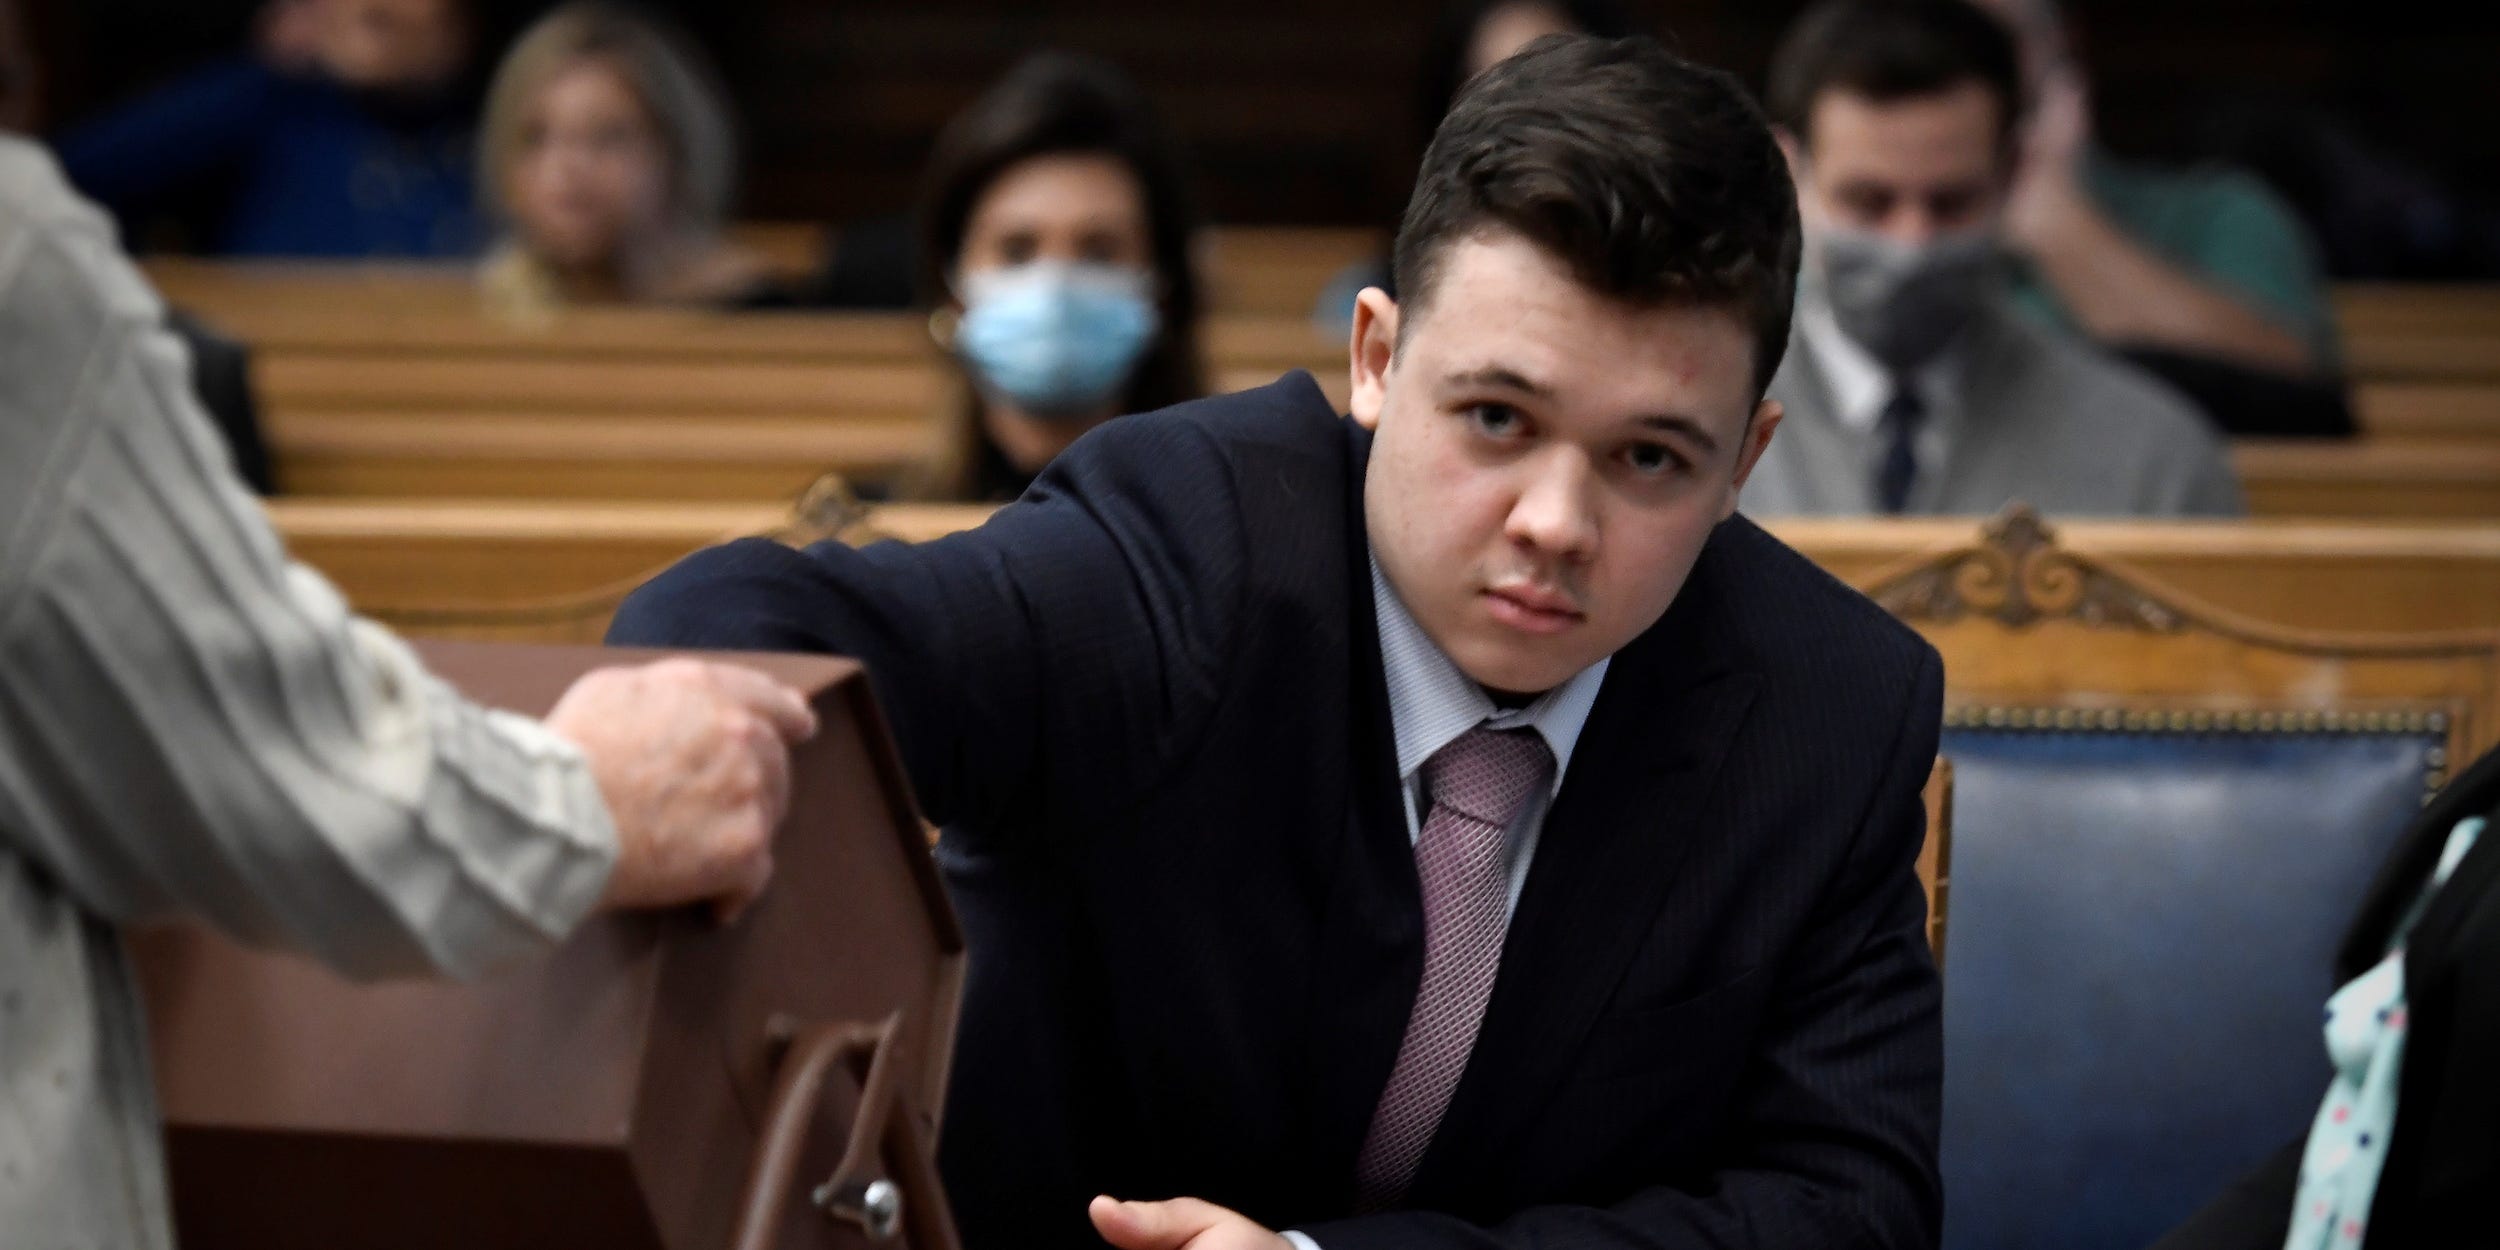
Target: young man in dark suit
[(1452, 827)]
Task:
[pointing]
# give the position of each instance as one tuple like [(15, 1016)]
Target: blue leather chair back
[(2137, 962)]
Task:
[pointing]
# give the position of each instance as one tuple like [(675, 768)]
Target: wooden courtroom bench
[(2363, 309), (569, 456), (299, 332), (630, 430), (1259, 271), (335, 326), (2393, 577), (2443, 353), (390, 381), (2393, 331), (720, 458), (220, 290), (2424, 360), (402, 559), (759, 397), (1280, 271), (412, 560), (2370, 478), (387, 554), (2424, 410), (789, 248), (650, 359)]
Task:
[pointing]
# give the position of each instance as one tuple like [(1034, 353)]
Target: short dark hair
[(1654, 179), (1056, 103), (1892, 50)]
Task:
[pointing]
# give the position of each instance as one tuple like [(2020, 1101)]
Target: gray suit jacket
[(2041, 419)]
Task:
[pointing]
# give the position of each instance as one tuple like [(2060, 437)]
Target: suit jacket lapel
[(2431, 956), (2401, 878), (1370, 947), (1627, 815)]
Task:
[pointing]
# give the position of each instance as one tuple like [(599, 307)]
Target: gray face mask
[(1905, 302)]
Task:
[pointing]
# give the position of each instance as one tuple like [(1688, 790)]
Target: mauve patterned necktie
[(1477, 785)]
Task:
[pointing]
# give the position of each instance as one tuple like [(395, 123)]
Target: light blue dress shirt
[(1431, 703)]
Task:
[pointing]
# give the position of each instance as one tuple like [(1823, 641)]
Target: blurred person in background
[(1913, 386), (220, 367), (609, 159), (2379, 214), (1468, 38), (1056, 250), (345, 134), (2202, 275)]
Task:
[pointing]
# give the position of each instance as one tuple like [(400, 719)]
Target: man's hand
[(1181, 1224), (694, 761), (2049, 200)]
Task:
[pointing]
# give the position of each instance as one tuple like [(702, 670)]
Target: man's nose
[(1915, 225), (1556, 513)]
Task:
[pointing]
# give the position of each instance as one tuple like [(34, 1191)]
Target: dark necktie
[(1478, 784), (1899, 427)]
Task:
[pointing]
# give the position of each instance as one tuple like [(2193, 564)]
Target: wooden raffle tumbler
[(657, 1082)]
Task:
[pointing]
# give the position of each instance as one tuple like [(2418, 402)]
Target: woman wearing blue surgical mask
[(1056, 264)]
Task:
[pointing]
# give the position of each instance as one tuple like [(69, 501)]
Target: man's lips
[(1532, 609)]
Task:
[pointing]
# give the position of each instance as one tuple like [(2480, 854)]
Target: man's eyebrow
[(1501, 377), (1678, 423)]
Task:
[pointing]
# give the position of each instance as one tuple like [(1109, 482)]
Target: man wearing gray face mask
[(1913, 387)]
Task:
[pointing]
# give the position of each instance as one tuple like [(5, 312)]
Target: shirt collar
[(1431, 702), (1860, 384)]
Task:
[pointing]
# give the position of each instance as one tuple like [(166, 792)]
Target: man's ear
[(1370, 351), (1793, 147), (1794, 150), (1766, 422)]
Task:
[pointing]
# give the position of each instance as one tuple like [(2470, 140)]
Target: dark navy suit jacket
[(1147, 705)]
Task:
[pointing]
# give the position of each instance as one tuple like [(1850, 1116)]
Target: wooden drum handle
[(856, 1192)]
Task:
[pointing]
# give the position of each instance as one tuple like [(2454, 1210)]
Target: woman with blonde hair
[(607, 158)]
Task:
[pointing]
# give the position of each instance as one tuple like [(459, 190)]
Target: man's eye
[(1652, 459), (1866, 204), (1498, 420)]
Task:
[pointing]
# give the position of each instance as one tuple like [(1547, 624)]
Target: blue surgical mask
[(1055, 338)]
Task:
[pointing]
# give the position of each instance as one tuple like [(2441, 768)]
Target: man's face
[(1501, 33), (1548, 461), (392, 45), (1911, 170)]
